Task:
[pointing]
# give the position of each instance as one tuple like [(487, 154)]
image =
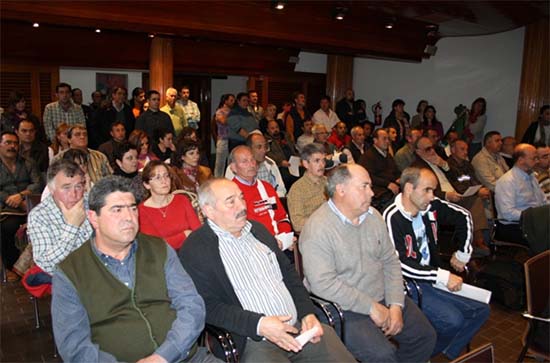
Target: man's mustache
[(241, 214)]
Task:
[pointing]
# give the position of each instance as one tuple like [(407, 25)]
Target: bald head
[(171, 95), (525, 156)]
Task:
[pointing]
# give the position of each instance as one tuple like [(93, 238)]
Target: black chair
[(483, 354), (537, 270)]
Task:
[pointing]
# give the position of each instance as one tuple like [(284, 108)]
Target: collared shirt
[(446, 186), (73, 330), (255, 274), (304, 197), (380, 151), (320, 117), (267, 171), (345, 219), (52, 238), (26, 177), (516, 191), (177, 115), (489, 167), (54, 114), (192, 112)]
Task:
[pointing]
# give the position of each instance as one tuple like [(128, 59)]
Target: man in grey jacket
[(348, 258)]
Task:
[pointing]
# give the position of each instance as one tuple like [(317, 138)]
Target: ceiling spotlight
[(151, 35), (279, 5), (389, 26), (340, 13), (35, 25), (98, 30)]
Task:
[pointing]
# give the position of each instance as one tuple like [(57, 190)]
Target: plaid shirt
[(304, 197), (54, 115), (51, 237)]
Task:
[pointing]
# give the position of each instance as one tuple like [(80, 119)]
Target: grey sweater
[(348, 264)]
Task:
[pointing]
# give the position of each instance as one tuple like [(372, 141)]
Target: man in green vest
[(124, 296)]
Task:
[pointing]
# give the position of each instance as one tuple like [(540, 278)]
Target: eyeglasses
[(160, 177)]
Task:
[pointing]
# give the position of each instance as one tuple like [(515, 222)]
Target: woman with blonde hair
[(60, 142)]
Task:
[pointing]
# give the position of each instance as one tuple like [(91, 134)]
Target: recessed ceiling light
[(98, 30), (280, 5), (340, 13), (151, 35), (389, 26), (35, 25)]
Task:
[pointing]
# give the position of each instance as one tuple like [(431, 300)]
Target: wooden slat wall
[(36, 82), (534, 89)]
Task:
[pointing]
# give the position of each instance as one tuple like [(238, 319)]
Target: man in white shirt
[(325, 115)]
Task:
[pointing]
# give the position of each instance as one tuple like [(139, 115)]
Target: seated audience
[(164, 214), (339, 137), (412, 220), (267, 168), (190, 134), (81, 158), (306, 137), (163, 145), (426, 157), (262, 203), (249, 286), (405, 156), (542, 169), (399, 120), (269, 115), (140, 140), (488, 163), (539, 131), (175, 111), (19, 177), (126, 159), (320, 136), (416, 121), (431, 122), (97, 163), (348, 258), (518, 190), (380, 164), (124, 296), (357, 145), (153, 119), (475, 126), (507, 150), (118, 135), (116, 111), (189, 173), (325, 115), (281, 148), (393, 146), (16, 111), (369, 129), (308, 193), (58, 225), (240, 122), (450, 138), (297, 115), (30, 147), (60, 142), (436, 142)]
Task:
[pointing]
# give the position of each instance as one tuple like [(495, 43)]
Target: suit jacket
[(200, 257), (382, 171), (355, 152)]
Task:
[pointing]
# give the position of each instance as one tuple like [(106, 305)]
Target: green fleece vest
[(129, 324)]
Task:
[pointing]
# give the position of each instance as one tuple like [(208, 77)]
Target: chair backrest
[(483, 354), (537, 270)]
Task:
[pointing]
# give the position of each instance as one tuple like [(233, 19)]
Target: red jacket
[(337, 141)]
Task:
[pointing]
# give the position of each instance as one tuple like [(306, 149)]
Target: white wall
[(84, 78), (463, 69), (233, 84), (311, 62)]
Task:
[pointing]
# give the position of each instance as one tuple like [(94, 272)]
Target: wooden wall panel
[(535, 77), (339, 76)]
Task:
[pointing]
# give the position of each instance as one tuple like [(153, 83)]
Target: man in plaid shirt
[(63, 110), (58, 225)]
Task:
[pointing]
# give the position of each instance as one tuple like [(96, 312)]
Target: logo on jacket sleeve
[(409, 245)]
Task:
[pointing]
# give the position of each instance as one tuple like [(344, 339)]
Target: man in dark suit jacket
[(357, 145), (382, 168), (249, 286)]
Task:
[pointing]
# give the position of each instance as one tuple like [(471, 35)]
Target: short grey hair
[(310, 149), (354, 130), (231, 157), (317, 128), (69, 168), (339, 175), (205, 192)]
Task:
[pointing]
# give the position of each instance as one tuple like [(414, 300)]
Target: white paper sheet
[(286, 238), (294, 167), (470, 292), (306, 336), (472, 190)]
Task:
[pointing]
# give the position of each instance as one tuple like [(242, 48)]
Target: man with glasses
[(153, 119), (267, 168)]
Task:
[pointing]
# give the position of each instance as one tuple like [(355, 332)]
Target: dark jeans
[(368, 344), (456, 319), (8, 226)]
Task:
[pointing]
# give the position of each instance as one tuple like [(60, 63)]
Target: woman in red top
[(163, 214)]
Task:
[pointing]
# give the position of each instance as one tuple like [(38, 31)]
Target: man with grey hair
[(348, 258), (175, 111), (357, 145), (58, 225), (124, 296), (308, 192), (249, 286)]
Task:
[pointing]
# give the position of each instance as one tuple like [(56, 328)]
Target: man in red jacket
[(262, 202)]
